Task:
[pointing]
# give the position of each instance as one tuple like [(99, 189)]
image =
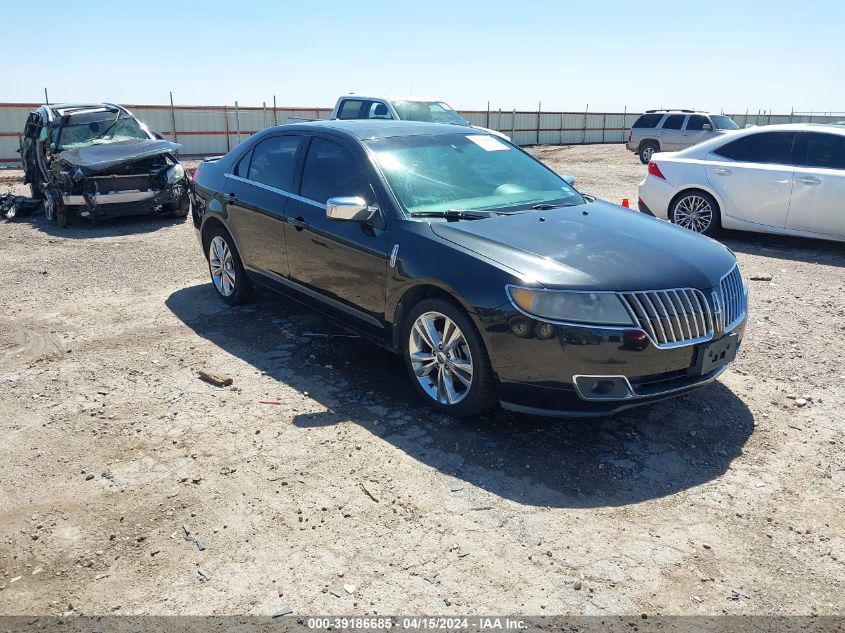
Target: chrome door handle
[(809, 180), (231, 198), (721, 172)]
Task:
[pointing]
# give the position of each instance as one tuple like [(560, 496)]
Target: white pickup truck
[(405, 109)]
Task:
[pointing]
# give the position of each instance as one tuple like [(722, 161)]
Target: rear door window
[(674, 122), (274, 160), (331, 171), (696, 122), (242, 168), (774, 148), (377, 110), (824, 151), (350, 109), (648, 121)]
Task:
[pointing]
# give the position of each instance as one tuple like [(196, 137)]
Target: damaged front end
[(114, 180)]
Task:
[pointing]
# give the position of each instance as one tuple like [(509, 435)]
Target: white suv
[(674, 130)]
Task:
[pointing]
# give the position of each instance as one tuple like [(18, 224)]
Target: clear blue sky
[(710, 54)]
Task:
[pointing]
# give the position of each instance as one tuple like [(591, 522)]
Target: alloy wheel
[(647, 153), (694, 213), (440, 358), (222, 266)]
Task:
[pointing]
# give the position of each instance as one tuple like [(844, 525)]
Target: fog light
[(602, 387)]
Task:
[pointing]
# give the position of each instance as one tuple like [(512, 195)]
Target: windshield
[(101, 131), (723, 122), (466, 172), (428, 111)]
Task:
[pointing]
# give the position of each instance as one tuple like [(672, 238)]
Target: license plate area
[(711, 356)]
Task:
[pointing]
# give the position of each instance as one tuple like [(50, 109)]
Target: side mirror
[(159, 136), (707, 127), (349, 208), (569, 178)]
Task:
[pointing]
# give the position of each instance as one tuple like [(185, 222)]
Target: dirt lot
[(349, 497)]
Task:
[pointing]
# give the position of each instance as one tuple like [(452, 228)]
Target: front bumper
[(117, 204), (540, 366)]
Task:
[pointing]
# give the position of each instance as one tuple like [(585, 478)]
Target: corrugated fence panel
[(213, 130)]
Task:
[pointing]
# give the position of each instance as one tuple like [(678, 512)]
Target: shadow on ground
[(797, 249), (589, 462), (82, 229)]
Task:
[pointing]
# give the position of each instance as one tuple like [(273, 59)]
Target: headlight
[(175, 174), (601, 308)]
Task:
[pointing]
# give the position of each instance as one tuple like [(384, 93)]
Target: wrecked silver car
[(98, 161)]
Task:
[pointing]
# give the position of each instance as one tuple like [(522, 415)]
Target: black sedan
[(492, 276)]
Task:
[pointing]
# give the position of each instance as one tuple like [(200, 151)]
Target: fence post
[(603, 127), (173, 118), (513, 126), (539, 108), (275, 120), (226, 118), (624, 122), (499, 121), (46, 98), (584, 135), (237, 124), (263, 114), (487, 125), (562, 125)]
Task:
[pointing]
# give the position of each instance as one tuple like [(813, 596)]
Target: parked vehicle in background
[(673, 130), (787, 179), (492, 277), (401, 109), (98, 161)]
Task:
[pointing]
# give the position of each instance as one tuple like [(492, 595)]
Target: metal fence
[(213, 130)]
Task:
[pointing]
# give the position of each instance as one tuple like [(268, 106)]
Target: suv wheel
[(696, 211), (647, 150), (227, 271), (446, 359)]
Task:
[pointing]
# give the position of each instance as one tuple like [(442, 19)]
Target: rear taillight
[(654, 170), (630, 135)]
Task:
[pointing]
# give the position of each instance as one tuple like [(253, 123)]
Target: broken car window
[(99, 132)]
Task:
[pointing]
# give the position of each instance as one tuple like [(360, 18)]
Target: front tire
[(226, 269), (647, 150), (446, 359), (696, 211)]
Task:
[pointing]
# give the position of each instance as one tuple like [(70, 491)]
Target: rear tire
[(226, 269), (697, 211), (647, 150), (446, 359)]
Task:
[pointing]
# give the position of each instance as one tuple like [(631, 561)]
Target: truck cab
[(402, 109)]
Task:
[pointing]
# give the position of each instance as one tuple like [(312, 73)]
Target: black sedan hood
[(594, 246), (97, 158)]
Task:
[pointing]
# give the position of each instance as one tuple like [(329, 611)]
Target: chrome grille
[(733, 300), (671, 318)]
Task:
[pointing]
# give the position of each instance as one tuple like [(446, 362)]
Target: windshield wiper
[(450, 214), (545, 206)]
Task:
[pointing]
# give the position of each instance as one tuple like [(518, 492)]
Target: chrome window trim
[(288, 194)]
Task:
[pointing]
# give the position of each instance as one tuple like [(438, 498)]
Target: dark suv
[(494, 278), (674, 130)]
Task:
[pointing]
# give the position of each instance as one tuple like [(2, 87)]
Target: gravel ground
[(349, 497)]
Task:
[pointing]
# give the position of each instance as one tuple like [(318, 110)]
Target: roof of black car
[(370, 129)]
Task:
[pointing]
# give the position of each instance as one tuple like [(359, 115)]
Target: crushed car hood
[(594, 245), (97, 158)]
